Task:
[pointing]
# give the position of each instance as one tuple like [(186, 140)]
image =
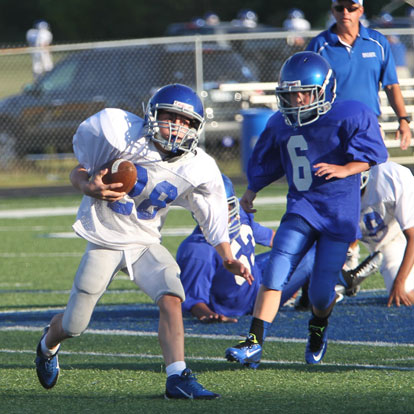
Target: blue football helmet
[(179, 99), (234, 208), (306, 72)]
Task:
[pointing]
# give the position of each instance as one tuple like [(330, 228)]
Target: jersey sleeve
[(207, 202), (363, 137), (404, 198), (315, 44), (388, 69), (104, 136), (264, 165)]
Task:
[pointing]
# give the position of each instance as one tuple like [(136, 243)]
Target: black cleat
[(353, 278)]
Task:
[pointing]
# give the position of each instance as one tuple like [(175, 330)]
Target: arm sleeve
[(404, 198), (364, 140), (388, 69), (312, 45), (317, 43), (208, 203), (104, 136), (264, 165)]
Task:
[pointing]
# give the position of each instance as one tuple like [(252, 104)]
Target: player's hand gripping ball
[(120, 171)]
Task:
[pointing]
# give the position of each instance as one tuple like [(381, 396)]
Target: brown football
[(120, 171)]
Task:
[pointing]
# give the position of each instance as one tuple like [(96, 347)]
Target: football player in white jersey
[(387, 226), (123, 230)]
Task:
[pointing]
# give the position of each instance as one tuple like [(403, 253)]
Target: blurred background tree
[(90, 20)]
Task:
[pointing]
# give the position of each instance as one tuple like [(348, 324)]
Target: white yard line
[(167, 232), (38, 212), (39, 255), (68, 211), (121, 332), (216, 359)]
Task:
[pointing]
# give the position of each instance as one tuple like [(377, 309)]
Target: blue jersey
[(359, 70), (348, 132), (205, 279)]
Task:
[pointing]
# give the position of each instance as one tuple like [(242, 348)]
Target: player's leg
[(329, 258), (96, 270), (158, 275), (292, 241), (300, 277), (171, 329)]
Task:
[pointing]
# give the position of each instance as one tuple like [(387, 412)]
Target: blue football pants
[(293, 242)]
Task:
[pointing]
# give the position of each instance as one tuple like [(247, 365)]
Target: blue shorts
[(293, 240)]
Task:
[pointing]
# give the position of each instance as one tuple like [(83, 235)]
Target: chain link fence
[(39, 117)]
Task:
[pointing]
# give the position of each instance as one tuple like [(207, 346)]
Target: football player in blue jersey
[(321, 146), (212, 293)]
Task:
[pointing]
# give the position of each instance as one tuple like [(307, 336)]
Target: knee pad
[(157, 273), (78, 312)]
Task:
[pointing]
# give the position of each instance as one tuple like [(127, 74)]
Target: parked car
[(44, 117), (265, 56)]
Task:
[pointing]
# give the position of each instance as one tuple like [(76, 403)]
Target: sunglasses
[(340, 8)]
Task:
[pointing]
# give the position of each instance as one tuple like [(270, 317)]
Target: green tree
[(89, 20)]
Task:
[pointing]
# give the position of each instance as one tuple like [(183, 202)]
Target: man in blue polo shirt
[(362, 59)]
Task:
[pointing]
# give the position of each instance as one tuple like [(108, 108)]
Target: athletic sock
[(47, 352), (317, 321), (176, 368), (259, 328)]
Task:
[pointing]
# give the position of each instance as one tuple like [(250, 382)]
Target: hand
[(205, 315), (399, 295), (97, 189), (247, 201), (238, 268), (217, 318), (404, 133), (330, 170)]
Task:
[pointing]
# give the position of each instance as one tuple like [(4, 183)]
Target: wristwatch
[(407, 118)]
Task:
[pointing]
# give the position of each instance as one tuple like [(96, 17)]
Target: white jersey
[(387, 206), (42, 60), (39, 37), (192, 181)]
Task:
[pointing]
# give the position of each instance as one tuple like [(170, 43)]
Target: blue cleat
[(247, 353), (317, 343), (185, 386), (47, 368)]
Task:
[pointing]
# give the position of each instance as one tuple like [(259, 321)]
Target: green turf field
[(110, 372)]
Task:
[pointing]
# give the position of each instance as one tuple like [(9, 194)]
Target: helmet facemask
[(234, 217), (364, 179), (305, 114), (179, 138), (174, 134)]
